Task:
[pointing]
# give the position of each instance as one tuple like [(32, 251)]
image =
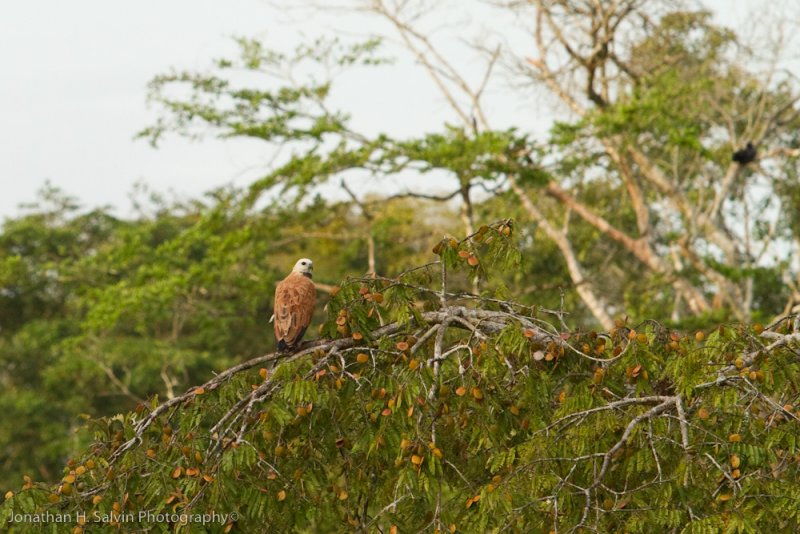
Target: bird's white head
[(304, 266)]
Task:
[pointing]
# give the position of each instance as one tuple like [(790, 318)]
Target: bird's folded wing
[(294, 304)]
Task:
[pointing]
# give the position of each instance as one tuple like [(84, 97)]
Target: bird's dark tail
[(282, 346)]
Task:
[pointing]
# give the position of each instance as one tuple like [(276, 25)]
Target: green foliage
[(99, 314), (668, 100), (475, 412), (282, 113)]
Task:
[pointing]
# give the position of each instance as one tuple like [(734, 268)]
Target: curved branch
[(489, 321)]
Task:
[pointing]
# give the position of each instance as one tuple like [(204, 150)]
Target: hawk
[(295, 297)]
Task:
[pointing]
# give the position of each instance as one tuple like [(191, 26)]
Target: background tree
[(641, 175)]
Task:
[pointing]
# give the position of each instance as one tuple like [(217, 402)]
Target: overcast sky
[(73, 88)]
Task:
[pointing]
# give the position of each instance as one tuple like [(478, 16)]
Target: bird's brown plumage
[(295, 298)]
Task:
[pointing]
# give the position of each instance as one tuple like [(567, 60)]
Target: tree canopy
[(425, 407)]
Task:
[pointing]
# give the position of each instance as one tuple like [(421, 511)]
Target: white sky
[(73, 79)]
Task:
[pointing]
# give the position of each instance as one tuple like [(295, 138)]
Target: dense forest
[(593, 331)]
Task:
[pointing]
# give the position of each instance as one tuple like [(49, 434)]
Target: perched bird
[(745, 155), (295, 297)]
